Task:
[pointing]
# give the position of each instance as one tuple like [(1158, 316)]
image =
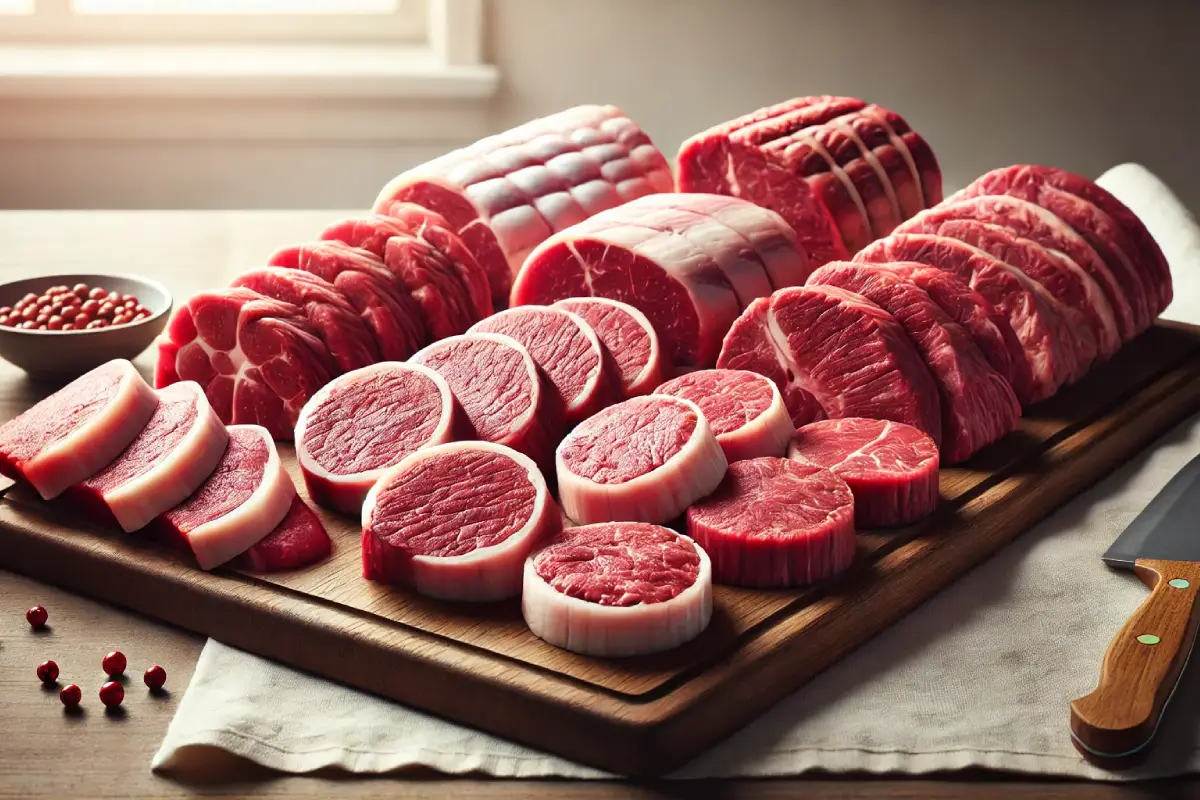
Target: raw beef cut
[(389, 312), (891, 468), (452, 295), (730, 251), (347, 337), (628, 337), (505, 194), (617, 589), (504, 397), (774, 241), (1125, 293), (727, 159), (744, 410), (457, 521), (833, 353), (642, 460), (1059, 275), (365, 421), (868, 175), (75, 432), (842, 144), (258, 359), (1109, 226), (1051, 346), (775, 523), (802, 153), (978, 405), (247, 495), (175, 452), (372, 233), (299, 541), (680, 289), (988, 326), (568, 352)]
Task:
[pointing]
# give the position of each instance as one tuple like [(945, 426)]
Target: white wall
[(1082, 85)]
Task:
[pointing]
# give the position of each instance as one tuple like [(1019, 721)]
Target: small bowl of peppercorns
[(60, 326)]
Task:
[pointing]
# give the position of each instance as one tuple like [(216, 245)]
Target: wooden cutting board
[(480, 666)]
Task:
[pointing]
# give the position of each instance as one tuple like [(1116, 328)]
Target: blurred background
[(316, 103)]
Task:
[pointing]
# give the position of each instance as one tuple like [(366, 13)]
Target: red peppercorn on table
[(47, 752)]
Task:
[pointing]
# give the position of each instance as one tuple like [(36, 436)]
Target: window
[(337, 49), (225, 20)]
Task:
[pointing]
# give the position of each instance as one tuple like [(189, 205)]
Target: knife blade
[(1114, 724)]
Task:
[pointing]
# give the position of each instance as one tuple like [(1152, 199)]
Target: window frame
[(55, 21)]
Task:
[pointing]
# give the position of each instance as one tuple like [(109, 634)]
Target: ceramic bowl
[(57, 355)]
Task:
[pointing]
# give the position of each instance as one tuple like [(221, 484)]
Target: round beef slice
[(641, 460), (775, 523), (627, 336), (744, 410), (568, 352), (456, 521), (365, 421), (504, 396), (617, 589), (891, 468)]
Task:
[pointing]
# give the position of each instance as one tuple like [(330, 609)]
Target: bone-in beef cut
[(1124, 291), (389, 312), (347, 337), (505, 398), (1065, 280), (176, 451), (628, 337), (246, 496), (678, 284), (891, 468), (642, 460), (258, 359), (775, 523), (507, 193), (1051, 346), (808, 160), (772, 239), (456, 521), (744, 410), (75, 432), (988, 326), (567, 351), (978, 405), (299, 541), (1108, 225), (617, 589), (452, 295), (365, 421), (833, 353)]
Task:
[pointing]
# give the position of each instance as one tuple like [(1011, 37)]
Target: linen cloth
[(979, 676)]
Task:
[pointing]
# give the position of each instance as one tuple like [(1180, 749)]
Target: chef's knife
[(1113, 725)]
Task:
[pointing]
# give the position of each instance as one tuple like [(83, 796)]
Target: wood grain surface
[(99, 757)]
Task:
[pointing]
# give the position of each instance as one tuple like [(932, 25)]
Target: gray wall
[(1082, 85)]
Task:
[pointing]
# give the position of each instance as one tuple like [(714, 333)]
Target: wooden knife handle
[(1112, 726)]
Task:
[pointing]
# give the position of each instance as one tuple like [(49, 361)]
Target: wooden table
[(45, 753)]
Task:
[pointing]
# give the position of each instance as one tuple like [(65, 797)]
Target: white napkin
[(979, 676)]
